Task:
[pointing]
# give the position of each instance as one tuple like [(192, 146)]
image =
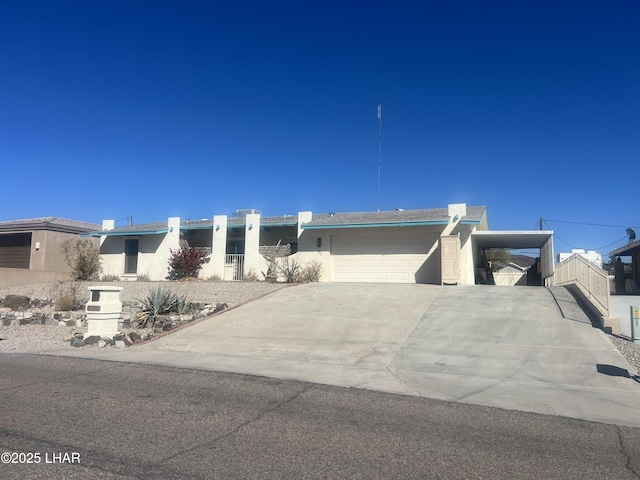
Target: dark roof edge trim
[(108, 233), (375, 225)]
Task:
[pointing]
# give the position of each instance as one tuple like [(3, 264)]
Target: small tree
[(186, 263), (82, 257), (498, 258)]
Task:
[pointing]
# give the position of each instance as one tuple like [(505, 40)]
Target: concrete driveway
[(496, 346)]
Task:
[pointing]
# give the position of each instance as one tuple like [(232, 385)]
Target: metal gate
[(234, 267)]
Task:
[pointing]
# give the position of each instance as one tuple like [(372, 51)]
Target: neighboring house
[(627, 275), (440, 245), (516, 272), (30, 249), (592, 256)]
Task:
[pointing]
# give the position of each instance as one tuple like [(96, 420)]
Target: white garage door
[(388, 258)]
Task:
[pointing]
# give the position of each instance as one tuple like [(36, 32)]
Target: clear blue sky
[(156, 109)]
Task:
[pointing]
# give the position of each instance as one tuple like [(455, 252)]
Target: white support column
[(219, 246), (106, 226), (173, 237), (252, 258), (303, 217)]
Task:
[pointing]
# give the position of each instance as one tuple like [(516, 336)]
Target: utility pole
[(540, 223)]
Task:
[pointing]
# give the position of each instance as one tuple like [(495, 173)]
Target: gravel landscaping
[(16, 338)]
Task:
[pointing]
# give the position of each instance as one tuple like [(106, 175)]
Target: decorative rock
[(51, 321), (68, 338), (135, 337), (167, 326), (119, 344), (17, 301), (25, 321), (4, 310), (122, 337), (102, 344), (93, 339), (27, 315), (62, 324), (70, 323), (77, 342), (6, 321), (220, 307)]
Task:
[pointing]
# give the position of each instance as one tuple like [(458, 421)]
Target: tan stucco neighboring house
[(30, 249), (399, 246)]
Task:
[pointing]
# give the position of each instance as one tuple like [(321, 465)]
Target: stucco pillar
[(303, 217), (219, 246), (106, 226), (252, 258), (173, 236)]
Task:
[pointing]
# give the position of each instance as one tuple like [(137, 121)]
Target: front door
[(131, 256)]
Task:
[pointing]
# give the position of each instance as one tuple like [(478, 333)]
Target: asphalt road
[(138, 421)]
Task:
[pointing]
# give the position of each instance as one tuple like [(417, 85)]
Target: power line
[(598, 248), (592, 224)]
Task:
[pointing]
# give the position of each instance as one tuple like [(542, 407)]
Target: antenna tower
[(379, 150)]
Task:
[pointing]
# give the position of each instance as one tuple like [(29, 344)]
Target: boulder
[(122, 337), (220, 307), (93, 339), (119, 344), (135, 337), (17, 301), (77, 342)]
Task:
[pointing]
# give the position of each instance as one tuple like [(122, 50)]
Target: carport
[(517, 240)]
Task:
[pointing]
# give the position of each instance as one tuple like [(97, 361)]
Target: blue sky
[(151, 109)]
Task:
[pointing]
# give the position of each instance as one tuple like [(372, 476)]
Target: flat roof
[(626, 250), (517, 239)]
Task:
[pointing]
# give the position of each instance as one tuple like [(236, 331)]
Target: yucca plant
[(160, 301)]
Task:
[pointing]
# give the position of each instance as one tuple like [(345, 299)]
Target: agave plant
[(160, 301)]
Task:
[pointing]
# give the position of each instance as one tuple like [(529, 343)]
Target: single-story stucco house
[(30, 249), (438, 246)]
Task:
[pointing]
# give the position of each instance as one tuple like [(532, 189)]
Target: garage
[(393, 258)]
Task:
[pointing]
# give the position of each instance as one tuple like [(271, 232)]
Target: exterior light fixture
[(251, 226), (217, 227)]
